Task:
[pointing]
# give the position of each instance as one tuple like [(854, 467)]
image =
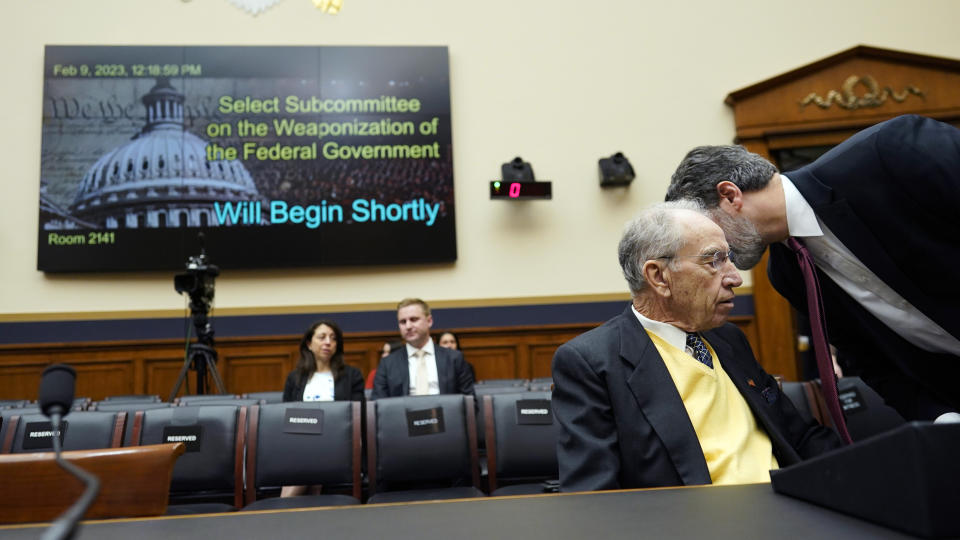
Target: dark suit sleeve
[(463, 374), (290, 388), (356, 383), (380, 389), (587, 449)]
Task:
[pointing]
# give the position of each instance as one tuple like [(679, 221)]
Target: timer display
[(500, 189)]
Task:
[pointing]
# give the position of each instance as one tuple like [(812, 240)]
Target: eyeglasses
[(716, 260)]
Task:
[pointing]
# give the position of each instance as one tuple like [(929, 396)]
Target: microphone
[(56, 389), (56, 398)]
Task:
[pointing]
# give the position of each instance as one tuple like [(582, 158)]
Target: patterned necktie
[(700, 351), (422, 387), (821, 344)]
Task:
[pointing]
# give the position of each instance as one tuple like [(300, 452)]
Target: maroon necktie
[(821, 345)]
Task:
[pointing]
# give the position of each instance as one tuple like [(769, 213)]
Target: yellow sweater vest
[(737, 451)]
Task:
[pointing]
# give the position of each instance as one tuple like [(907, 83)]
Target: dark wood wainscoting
[(253, 364)]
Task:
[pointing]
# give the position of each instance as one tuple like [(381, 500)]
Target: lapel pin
[(751, 383)]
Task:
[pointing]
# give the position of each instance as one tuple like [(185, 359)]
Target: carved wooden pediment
[(847, 92)]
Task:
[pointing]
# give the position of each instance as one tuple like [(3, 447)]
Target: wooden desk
[(134, 481), (715, 512)]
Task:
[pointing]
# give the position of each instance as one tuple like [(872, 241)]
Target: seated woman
[(321, 375)]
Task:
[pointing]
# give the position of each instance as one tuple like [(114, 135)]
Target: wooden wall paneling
[(358, 359), (541, 360), (98, 379), (494, 362), (160, 374), (263, 372), (20, 381)]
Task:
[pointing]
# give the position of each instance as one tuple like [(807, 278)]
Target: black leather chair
[(304, 443), (865, 411), (541, 384), (129, 407), (5, 420), (265, 397), (503, 382), (132, 397), (797, 394), (208, 477), (13, 403), (82, 430), (236, 401), (486, 390), (193, 399), (422, 448), (521, 443)]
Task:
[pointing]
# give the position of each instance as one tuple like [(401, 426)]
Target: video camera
[(198, 280)]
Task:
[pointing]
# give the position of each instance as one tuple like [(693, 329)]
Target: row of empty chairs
[(537, 384), (238, 455)]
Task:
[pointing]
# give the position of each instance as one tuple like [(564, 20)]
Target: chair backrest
[(128, 406), (81, 430), (215, 437), (131, 408), (865, 412), (132, 397), (194, 398), (502, 382), (13, 403), (541, 384), (797, 394), (80, 403), (5, 420), (237, 402), (421, 440), (486, 390), (265, 397), (304, 442), (521, 437)]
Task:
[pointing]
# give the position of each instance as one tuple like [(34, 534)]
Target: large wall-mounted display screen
[(281, 156)]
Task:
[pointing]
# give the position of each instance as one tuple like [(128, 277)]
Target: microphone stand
[(66, 524)]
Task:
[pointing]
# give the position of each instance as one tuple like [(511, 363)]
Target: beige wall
[(560, 83)]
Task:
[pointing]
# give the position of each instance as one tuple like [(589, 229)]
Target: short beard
[(742, 235)]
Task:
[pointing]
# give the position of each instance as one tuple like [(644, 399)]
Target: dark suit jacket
[(349, 387), (393, 374), (891, 194), (623, 424)]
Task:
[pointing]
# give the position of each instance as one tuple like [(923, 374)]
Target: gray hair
[(653, 233), (704, 167)]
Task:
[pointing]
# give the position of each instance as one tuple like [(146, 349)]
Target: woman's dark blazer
[(349, 387)]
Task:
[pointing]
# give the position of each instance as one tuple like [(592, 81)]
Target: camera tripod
[(200, 356)]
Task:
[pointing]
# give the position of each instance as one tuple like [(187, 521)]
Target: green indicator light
[(496, 185)]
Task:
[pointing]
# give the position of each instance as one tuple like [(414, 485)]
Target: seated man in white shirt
[(420, 367)]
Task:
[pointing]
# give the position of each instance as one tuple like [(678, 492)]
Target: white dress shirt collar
[(801, 221), (665, 331), (428, 348)]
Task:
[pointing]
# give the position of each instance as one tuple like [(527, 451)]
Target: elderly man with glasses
[(668, 393)]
